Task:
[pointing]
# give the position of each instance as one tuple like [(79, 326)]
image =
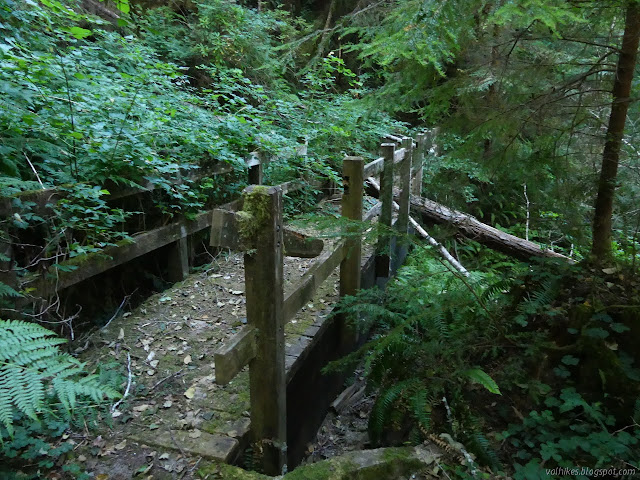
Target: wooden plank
[(264, 295), (224, 233), (398, 155), (373, 168), (237, 352), (96, 263), (224, 230), (179, 259), (312, 279), (300, 245)]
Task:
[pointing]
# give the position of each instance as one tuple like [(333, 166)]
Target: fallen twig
[(166, 378), (126, 392)]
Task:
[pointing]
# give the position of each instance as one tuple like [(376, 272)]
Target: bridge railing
[(259, 230)]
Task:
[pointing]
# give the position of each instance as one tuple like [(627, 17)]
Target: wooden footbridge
[(278, 408)]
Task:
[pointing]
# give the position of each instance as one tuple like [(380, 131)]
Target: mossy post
[(261, 226), (352, 181), (386, 198)]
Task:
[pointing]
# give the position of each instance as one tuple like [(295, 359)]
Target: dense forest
[(527, 364)]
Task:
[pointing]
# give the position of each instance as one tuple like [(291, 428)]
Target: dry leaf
[(120, 445), (141, 408), (195, 434), (167, 404), (191, 391), (121, 334), (151, 373), (187, 360), (164, 456), (154, 363)]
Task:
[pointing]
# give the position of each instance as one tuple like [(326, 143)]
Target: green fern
[(32, 367)]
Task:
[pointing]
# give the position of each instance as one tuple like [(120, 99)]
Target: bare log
[(480, 232)]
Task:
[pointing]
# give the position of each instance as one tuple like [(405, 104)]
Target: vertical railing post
[(386, 214), (353, 191), (254, 169), (422, 148), (264, 296), (178, 262), (402, 224)]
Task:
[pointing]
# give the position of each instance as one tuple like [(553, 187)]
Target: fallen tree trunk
[(474, 229)]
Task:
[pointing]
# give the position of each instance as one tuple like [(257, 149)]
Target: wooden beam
[(264, 296), (224, 233), (312, 279), (300, 245), (398, 155), (373, 168), (237, 352)]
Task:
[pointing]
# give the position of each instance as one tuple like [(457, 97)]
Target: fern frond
[(29, 362)]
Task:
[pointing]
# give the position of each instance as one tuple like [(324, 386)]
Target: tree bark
[(601, 248), (472, 228)]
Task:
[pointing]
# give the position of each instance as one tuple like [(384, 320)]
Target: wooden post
[(254, 169), (422, 140), (402, 224), (264, 296), (179, 258), (352, 181), (386, 198), (352, 178)]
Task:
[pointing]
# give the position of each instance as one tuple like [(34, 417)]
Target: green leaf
[(79, 32), (570, 360), (477, 375)]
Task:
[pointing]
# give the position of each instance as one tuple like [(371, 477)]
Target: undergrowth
[(529, 367)]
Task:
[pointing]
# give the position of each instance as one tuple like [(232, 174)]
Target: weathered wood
[(386, 211), (224, 233), (398, 155), (423, 144), (179, 258), (312, 279), (237, 352), (373, 168), (264, 295), (254, 167), (300, 245), (480, 232), (423, 233), (352, 170), (96, 263), (402, 225), (224, 230)]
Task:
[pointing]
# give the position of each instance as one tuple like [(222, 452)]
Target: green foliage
[(570, 431), (32, 369)]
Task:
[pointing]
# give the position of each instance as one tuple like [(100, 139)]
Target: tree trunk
[(601, 249), (487, 235)]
